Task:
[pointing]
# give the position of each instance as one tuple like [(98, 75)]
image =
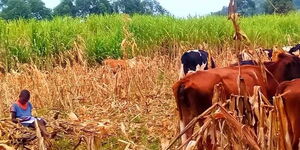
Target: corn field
[(42, 42), (99, 106)]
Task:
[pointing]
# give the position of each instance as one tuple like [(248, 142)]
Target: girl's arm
[(14, 118)]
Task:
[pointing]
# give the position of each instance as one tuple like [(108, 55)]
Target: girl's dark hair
[(25, 94)]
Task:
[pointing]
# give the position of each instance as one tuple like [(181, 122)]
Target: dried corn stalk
[(232, 125), (283, 123)]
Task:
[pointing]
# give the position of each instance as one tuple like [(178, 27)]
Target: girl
[(21, 113)]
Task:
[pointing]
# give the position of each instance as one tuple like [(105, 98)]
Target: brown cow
[(290, 92), (194, 92), (120, 64)]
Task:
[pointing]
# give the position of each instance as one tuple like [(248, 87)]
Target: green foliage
[(103, 36), (14, 9), (39, 10), (253, 7), (65, 8), (245, 7), (259, 6), (279, 6), (86, 7), (139, 7), (34, 41), (27, 9)]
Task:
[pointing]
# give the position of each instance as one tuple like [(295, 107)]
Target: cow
[(295, 50), (247, 58), (115, 63), (287, 48), (194, 60), (268, 52), (290, 91), (119, 64), (245, 62), (194, 92), (245, 55)]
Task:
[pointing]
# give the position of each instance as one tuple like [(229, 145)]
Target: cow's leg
[(182, 126), (184, 121), (296, 134), (292, 112)]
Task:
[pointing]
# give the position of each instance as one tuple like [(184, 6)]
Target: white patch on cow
[(195, 50), (246, 56), (190, 72), (267, 52), (181, 73), (203, 66), (296, 53), (198, 67), (183, 137), (192, 50), (191, 145), (287, 48)]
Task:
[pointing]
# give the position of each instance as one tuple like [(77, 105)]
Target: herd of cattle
[(194, 91)]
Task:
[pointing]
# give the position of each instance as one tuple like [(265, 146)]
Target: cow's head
[(290, 65)]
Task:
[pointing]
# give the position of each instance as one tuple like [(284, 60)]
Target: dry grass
[(138, 101)]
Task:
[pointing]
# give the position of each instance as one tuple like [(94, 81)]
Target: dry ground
[(137, 102)]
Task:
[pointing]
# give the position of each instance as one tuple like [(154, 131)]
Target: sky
[(179, 8)]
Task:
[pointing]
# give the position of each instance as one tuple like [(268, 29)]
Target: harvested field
[(112, 107), (137, 103), (119, 106)]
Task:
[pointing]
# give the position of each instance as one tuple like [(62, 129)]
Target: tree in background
[(12, 9), (153, 7), (127, 6), (86, 7), (3, 3), (137, 6), (245, 7), (65, 8), (279, 6), (252, 7), (259, 6), (39, 10)]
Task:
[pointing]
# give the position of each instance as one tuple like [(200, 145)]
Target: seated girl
[(21, 113)]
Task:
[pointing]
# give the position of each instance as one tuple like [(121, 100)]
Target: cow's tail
[(178, 90), (181, 101), (212, 63)]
